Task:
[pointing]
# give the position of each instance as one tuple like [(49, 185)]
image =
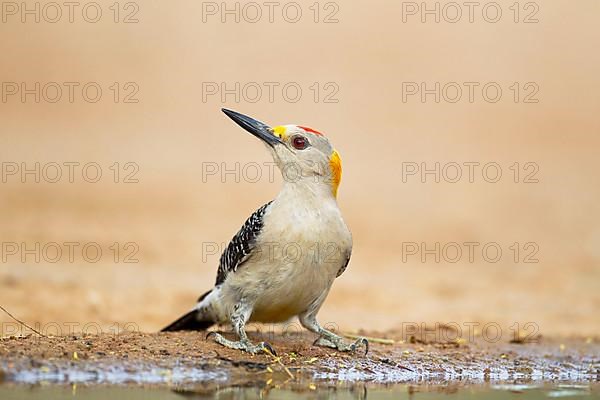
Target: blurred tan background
[(172, 133)]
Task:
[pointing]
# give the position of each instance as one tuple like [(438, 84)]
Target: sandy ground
[(186, 357)]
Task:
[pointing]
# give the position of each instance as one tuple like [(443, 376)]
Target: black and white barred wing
[(241, 245)]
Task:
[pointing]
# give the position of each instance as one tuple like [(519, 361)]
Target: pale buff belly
[(286, 304), (281, 292)]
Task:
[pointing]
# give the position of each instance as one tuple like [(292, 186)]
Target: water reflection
[(303, 390)]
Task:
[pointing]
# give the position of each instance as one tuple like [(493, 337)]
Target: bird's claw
[(209, 334), (266, 347), (243, 345), (340, 345), (358, 342)]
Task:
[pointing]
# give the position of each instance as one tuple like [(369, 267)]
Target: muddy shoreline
[(187, 358)]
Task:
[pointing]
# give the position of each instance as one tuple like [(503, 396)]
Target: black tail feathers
[(188, 322), (194, 320)]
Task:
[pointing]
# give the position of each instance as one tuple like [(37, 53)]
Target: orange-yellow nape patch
[(335, 164), (280, 131)]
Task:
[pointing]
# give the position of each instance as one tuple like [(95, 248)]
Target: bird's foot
[(244, 345), (338, 343)]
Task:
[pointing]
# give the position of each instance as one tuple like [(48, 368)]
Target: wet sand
[(186, 358)]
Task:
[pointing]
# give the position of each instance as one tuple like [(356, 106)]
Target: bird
[(287, 254)]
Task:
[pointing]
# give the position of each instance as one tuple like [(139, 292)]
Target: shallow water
[(322, 391)]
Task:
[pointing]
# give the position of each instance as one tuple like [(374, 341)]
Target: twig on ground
[(21, 322), (370, 339)]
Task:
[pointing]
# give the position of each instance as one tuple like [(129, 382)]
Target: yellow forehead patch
[(335, 164), (279, 131)]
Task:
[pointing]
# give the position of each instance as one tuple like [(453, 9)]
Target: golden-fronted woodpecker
[(284, 259)]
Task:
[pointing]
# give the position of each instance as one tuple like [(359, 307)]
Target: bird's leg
[(239, 317), (330, 339)]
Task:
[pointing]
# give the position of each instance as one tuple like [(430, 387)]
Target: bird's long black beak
[(257, 128)]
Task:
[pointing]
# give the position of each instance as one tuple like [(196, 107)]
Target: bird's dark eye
[(299, 142)]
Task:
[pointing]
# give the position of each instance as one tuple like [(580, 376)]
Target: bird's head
[(301, 153)]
